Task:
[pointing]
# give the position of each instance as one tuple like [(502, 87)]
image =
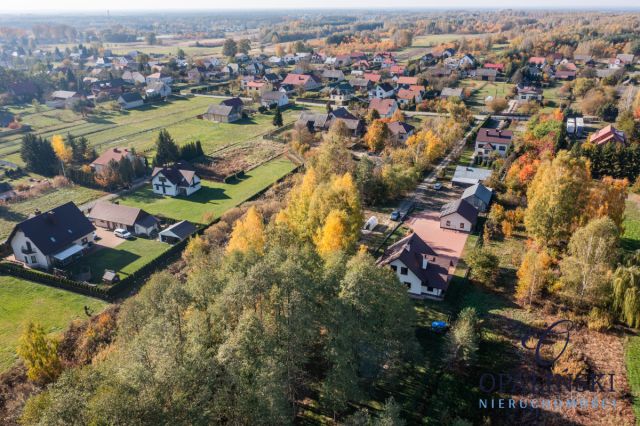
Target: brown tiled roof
[(117, 213), (111, 154), (494, 136)]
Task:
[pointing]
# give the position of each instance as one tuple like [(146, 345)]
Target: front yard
[(214, 198), (125, 258), (23, 301)]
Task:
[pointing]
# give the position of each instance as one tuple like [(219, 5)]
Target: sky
[(45, 6)]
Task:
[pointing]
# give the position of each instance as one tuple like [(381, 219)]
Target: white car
[(122, 233), (437, 186)]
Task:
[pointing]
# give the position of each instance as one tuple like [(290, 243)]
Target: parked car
[(395, 215), (437, 186), (122, 233), (439, 327)]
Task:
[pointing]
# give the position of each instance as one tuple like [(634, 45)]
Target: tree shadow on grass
[(205, 195), (105, 258), (11, 216)]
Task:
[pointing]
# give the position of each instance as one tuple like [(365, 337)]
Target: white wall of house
[(456, 222), (409, 280), (141, 230), (161, 185), (194, 187), (129, 105), (35, 259), (499, 148)]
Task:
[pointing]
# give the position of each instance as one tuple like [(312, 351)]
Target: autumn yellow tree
[(39, 354), (607, 198), (248, 233), (376, 135), (295, 214), (533, 275), (63, 152), (333, 235)]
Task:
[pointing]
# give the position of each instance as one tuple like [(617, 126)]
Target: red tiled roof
[(607, 134), (494, 136), (407, 80), (111, 154)]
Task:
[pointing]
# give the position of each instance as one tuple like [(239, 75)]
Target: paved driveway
[(107, 239), (445, 242)]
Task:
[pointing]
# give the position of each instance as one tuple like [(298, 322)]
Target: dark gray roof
[(400, 127), (411, 250), (177, 174), (131, 97), (180, 230), (386, 87), (219, 110), (56, 229), (233, 102), (478, 190), (463, 208)]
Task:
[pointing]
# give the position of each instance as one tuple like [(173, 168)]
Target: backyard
[(125, 258), (24, 301), (214, 198)]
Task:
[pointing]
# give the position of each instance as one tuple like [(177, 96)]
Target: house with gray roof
[(458, 215), (113, 216), (479, 196), (466, 176), (177, 232), (54, 238), (418, 267)]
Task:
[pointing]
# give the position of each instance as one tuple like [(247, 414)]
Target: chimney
[(116, 149), (37, 212)]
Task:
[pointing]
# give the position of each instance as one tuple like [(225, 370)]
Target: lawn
[(125, 258), (483, 89), (24, 301), (632, 360), (138, 128), (214, 198), (17, 212), (631, 224)]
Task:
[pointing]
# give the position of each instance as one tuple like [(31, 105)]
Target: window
[(403, 270), (33, 259), (84, 240), (26, 259), (407, 284), (462, 226), (502, 148), (394, 267), (430, 289), (448, 223)]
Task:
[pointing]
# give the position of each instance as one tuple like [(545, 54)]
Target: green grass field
[(631, 225), (482, 89), (23, 301), (214, 198), (632, 360), (125, 259), (17, 212), (139, 128)]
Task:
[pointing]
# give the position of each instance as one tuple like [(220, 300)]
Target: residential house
[(383, 91), (258, 88), (362, 85), (178, 179), (333, 76), (479, 196), (484, 74), (466, 176), (567, 75), (53, 238), (492, 66), (626, 58), (406, 81), (467, 61), (159, 77), (493, 141), (157, 90), (538, 61), (372, 77), (418, 267), (406, 97), (112, 154), (177, 232), (305, 81), (529, 93), (115, 216), (133, 77), (385, 107), (130, 100), (274, 97), (458, 215), (608, 134), (63, 99), (317, 122), (341, 93), (452, 92), (400, 131)]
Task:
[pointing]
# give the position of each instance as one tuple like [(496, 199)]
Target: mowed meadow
[(138, 128)]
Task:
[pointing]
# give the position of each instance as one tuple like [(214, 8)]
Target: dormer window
[(53, 239)]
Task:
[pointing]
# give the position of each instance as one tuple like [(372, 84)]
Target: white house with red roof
[(385, 107), (608, 134), (493, 141)]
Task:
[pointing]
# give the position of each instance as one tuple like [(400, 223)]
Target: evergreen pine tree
[(166, 149), (277, 118)]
